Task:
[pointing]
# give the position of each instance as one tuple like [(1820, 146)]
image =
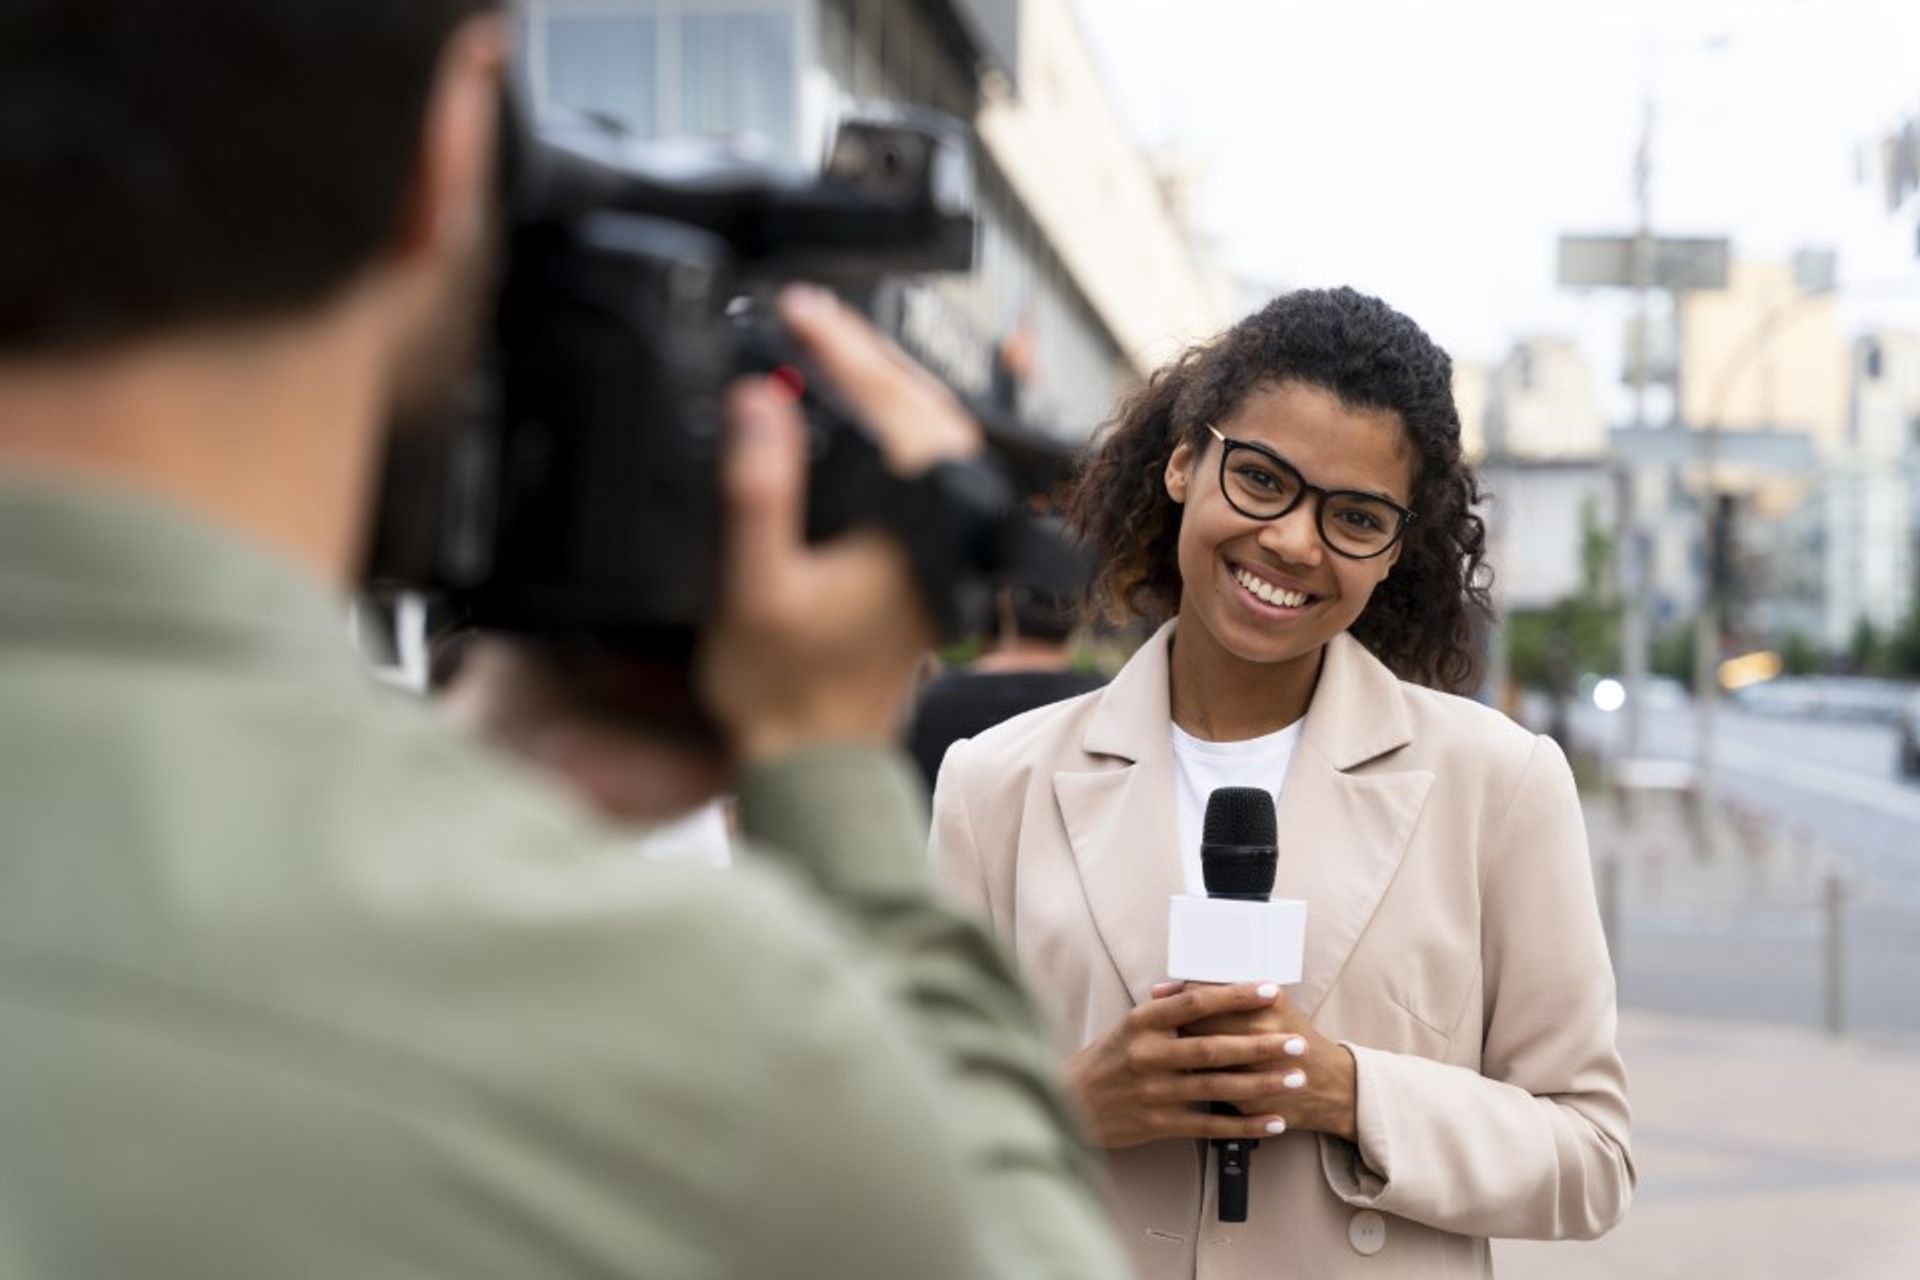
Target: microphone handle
[(1233, 1161)]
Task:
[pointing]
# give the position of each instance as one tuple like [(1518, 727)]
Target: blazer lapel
[(1342, 833), (1119, 818)]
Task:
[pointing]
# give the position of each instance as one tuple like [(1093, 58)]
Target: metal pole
[(1706, 629), (1834, 903), (1706, 634), (1633, 575)]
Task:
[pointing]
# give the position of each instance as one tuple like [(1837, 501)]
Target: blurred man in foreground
[(295, 983)]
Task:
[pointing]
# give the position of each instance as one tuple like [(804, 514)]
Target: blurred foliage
[(1894, 652), (1671, 653), (1903, 646), (1799, 656), (1866, 651), (961, 652)]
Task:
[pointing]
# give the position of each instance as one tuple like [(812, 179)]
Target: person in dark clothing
[(1029, 665)]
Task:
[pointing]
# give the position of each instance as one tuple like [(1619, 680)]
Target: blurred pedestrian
[(1029, 664)]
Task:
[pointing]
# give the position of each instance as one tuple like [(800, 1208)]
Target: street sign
[(1775, 452), (1679, 262), (1815, 270)]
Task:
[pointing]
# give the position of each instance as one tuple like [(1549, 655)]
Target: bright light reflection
[(1609, 695)]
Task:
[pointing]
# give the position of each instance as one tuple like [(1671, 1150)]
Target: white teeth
[(1268, 592)]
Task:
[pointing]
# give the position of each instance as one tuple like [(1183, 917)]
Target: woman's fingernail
[(1268, 990), (1294, 1079), (1276, 1127), (1295, 1046)]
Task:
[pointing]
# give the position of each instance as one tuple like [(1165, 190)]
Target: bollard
[(1834, 902)]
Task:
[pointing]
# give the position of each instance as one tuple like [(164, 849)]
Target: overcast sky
[(1431, 150)]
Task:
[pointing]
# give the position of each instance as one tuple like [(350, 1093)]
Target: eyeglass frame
[(1229, 444)]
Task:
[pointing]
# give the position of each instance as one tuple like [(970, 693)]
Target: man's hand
[(810, 645), (820, 644)]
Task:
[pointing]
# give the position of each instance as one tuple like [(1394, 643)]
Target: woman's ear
[(1179, 464)]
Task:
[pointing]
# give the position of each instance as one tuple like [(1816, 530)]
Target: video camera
[(575, 495)]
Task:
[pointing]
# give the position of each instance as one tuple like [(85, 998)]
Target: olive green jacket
[(295, 984)]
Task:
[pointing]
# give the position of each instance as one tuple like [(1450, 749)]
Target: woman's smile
[(1266, 598)]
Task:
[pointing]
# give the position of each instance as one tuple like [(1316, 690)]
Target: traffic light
[(1722, 546)]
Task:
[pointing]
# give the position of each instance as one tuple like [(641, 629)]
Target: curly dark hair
[(1424, 621)]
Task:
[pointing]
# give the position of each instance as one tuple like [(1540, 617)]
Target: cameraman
[(292, 981)]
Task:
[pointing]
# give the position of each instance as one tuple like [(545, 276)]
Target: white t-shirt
[(1200, 766)]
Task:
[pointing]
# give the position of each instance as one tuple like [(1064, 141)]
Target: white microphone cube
[(1233, 940)]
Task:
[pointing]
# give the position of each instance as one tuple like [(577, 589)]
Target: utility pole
[(1631, 552), (1814, 278)]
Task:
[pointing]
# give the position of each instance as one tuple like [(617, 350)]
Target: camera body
[(575, 491)]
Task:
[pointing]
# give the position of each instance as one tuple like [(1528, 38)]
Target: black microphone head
[(1237, 845), (1239, 815)]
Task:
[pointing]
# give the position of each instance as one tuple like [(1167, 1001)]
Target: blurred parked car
[(1828, 698)]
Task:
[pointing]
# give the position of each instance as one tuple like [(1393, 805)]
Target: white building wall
[(1061, 145), (1868, 500), (1536, 524), (1541, 403)]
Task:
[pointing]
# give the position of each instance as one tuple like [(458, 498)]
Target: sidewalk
[(1766, 1150), (1764, 1153)]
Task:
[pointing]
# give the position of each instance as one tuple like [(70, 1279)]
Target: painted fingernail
[(1295, 1046), (1268, 990), (1294, 1079), (1276, 1127)]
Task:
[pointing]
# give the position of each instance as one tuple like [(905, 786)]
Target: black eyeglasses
[(1262, 485)]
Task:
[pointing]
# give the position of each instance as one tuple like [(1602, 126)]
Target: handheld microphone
[(1237, 858), (1237, 849)]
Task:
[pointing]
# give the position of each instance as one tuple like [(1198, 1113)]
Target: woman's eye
[(1259, 479), (1364, 521)]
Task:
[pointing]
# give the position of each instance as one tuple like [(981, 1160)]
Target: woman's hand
[(1140, 1082), (1324, 1096)]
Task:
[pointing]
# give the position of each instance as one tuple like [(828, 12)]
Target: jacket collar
[(104, 567), (1342, 829), (1358, 711)]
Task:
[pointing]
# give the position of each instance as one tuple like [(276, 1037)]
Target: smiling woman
[(1290, 503)]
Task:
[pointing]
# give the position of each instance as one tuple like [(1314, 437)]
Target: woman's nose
[(1295, 536)]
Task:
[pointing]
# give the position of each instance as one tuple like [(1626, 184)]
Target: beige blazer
[(1452, 942)]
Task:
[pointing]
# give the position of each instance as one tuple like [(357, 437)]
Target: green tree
[(1799, 656), (1672, 653), (1866, 651)]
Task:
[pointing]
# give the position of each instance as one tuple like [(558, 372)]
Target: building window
[(605, 64), (671, 68)]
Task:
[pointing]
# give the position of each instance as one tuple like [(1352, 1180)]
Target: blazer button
[(1367, 1233)]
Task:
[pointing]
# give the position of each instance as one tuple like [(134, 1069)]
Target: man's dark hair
[(1040, 614), (1425, 620), (167, 164)]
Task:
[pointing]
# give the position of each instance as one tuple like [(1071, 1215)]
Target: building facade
[(1039, 331), (1868, 496), (1540, 403)]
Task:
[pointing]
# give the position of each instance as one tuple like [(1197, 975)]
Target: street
[(1834, 784), (1742, 934)]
